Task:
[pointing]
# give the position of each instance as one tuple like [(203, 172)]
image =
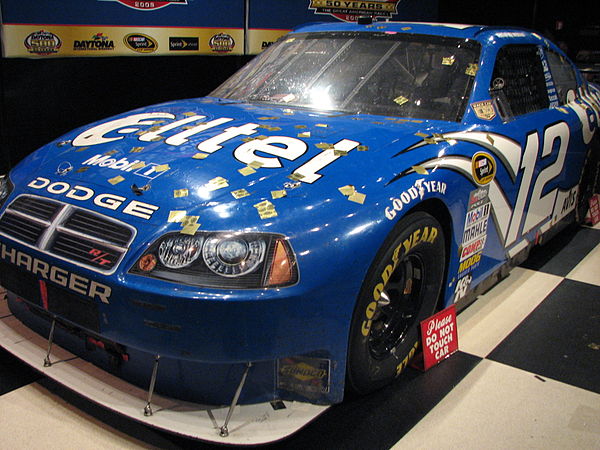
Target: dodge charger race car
[(281, 239)]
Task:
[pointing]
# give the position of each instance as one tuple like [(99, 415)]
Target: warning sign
[(439, 337)]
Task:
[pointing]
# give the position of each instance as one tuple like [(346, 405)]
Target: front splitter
[(249, 424)]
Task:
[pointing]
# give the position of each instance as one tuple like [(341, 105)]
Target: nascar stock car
[(281, 240)]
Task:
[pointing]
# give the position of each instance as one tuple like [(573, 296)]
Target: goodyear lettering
[(419, 236), (400, 367), (417, 190), (57, 275), (108, 201)]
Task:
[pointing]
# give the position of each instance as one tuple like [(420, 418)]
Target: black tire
[(401, 289)]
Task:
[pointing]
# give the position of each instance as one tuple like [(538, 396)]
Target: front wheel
[(401, 289)]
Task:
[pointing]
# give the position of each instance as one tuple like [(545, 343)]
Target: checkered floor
[(527, 375)]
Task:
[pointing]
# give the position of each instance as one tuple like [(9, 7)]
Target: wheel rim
[(398, 307)]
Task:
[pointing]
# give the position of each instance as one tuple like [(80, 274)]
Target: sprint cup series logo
[(147, 5), (349, 11), (42, 43)]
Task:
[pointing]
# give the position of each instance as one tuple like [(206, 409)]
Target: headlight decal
[(220, 259)]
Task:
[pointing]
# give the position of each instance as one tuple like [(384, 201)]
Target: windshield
[(392, 74)]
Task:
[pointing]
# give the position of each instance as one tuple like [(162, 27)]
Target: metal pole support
[(47, 362), (148, 408), (224, 431)]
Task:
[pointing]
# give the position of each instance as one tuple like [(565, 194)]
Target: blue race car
[(282, 239)]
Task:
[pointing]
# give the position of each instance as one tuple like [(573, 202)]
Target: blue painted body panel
[(335, 240)]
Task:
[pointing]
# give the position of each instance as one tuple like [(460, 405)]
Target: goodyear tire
[(401, 289)]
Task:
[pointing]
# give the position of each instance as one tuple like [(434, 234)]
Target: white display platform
[(249, 425)]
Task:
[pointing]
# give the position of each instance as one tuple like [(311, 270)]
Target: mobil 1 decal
[(473, 240)]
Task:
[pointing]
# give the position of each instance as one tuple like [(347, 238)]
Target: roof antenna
[(365, 20)]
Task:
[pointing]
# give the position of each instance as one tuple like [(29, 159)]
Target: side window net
[(518, 84), (563, 75)]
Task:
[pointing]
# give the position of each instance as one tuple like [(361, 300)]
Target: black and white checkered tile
[(527, 375)]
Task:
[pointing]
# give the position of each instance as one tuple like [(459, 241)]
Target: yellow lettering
[(433, 235), (387, 273), (407, 244), (366, 327), (377, 291)]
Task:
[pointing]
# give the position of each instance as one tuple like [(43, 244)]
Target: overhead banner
[(38, 29)]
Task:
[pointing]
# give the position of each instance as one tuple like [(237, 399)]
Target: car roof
[(465, 31)]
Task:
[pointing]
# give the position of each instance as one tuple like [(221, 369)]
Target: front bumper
[(250, 424), (204, 341)]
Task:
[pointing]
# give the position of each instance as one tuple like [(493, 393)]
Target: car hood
[(179, 156)]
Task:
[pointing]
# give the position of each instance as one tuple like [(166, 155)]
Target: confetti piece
[(248, 139), (290, 40), (262, 137), (190, 229), (136, 149), (178, 193), (337, 152), (304, 134), (357, 197), (322, 125), (116, 180), (300, 127), (240, 193), (137, 165), (420, 170), (362, 148), (268, 118), (161, 168), (423, 135), (176, 216), (448, 60), (405, 28), (189, 220), (400, 100), (255, 164), (324, 145), (247, 171), (110, 152), (288, 112), (429, 140), (200, 156), (472, 70), (81, 149), (189, 114), (296, 177), (217, 183), (82, 169), (347, 190), (266, 209), (153, 128), (278, 194), (378, 123), (490, 139), (156, 139)]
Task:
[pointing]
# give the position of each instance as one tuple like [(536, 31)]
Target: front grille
[(79, 310), (68, 232)]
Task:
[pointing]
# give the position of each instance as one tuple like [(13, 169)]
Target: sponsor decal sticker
[(474, 235), (483, 168), (304, 375), (97, 42), (184, 44), (42, 43), (484, 109), (462, 287), (349, 11), (141, 43), (148, 5), (417, 190), (221, 43)]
